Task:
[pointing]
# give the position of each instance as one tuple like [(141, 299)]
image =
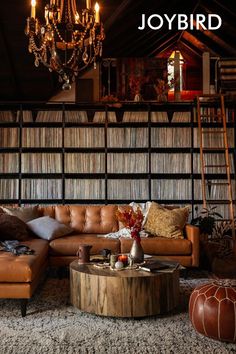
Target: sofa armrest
[(193, 235)]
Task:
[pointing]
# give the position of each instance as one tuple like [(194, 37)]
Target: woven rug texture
[(53, 326)]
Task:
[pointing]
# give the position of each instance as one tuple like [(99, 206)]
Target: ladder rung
[(214, 148), (216, 166), (217, 183), (213, 131), (218, 201), (211, 115)]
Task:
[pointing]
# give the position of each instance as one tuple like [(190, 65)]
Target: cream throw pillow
[(24, 213), (166, 223)]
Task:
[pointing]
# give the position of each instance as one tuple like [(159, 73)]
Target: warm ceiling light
[(172, 56), (68, 41)]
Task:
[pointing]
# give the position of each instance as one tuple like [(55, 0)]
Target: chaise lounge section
[(20, 275)]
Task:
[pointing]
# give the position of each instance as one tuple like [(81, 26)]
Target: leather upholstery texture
[(19, 275), (69, 245), (91, 219), (160, 246), (212, 310), (23, 268)]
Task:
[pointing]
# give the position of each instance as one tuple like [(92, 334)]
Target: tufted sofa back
[(93, 219)]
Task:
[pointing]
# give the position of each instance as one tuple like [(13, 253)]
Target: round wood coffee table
[(126, 293)]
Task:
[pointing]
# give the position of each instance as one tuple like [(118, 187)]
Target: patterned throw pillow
[(24, 213), (12, 228), (165, 222)]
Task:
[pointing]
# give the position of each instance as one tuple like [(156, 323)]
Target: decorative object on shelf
[(138, 97), (162, 87), (111, 101), (84, 253), (135, 85), (68, 41), (133, 220)]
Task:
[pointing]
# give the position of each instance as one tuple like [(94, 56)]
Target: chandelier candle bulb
[(33, 8), (76, 17), (97, 14), (88, 4)]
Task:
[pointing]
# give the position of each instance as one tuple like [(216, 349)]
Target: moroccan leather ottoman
[(212, 310)]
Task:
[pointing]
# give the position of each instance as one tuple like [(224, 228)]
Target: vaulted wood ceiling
[(20, 80)]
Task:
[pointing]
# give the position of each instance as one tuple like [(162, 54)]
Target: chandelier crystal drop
[(69, 40)]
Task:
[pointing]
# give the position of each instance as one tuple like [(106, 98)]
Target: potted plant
[(216, 236), (206, 221)]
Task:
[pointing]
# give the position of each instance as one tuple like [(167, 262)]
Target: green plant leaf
[(217, 214)]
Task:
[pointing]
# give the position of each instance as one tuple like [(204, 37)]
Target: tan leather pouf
[(212, 310)]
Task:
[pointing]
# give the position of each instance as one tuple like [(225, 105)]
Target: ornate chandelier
[(68, 41)]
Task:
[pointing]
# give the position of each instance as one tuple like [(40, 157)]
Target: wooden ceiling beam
[(116, 14), (190, 47), (226, 24), (190, 38), (217, 40), (166, 44), (232, 13)]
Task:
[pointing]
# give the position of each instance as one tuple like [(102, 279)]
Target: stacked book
[(156, 266)]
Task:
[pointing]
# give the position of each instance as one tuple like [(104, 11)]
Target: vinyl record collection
[(91, 149)]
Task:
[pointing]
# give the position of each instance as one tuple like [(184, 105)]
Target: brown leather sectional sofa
[(19, 275)]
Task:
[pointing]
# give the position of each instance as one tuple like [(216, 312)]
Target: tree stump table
[(125, 293)]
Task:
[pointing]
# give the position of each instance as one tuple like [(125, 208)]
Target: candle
[(97, 14), (124, 259), (33, 8), (88, 4)]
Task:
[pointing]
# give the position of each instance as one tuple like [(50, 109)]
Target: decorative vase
[(136, 252), (137, 97)]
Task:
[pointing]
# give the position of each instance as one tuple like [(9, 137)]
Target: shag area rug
[(53, 326)]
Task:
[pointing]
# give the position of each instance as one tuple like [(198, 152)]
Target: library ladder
[(211, 109)]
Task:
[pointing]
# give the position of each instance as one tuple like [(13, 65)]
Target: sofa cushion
[(48, 228), (165, 222), (160, 246), (12, 228), (69, 245), (23, 268), (93, 219), (23, 213)]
